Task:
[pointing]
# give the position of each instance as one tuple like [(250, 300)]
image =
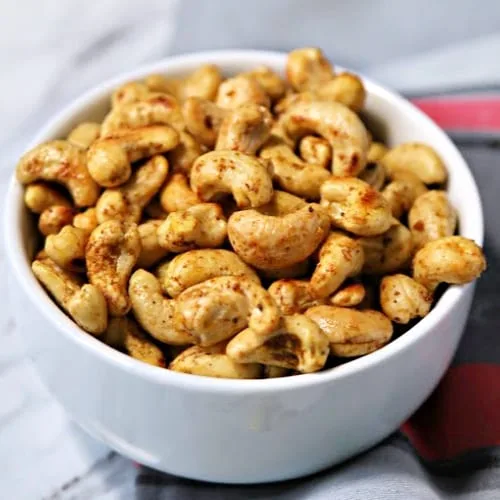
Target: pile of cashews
[(242, 227)]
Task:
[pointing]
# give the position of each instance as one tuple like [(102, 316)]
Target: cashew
[(340, 257), (402, 298), (200, 226), (352, 332), (346, 88), (203, 119), (39, 196), (54, 218), (417, 158), (67, 248), (355, 206), (87, 220), (85, 134), (340, 126), (298, 270), (315, 150), (177, 195), (374, 175), (112, 251), (61, 162), (431, 217), (293, 296), (297, 344), (272, 84), (349, 296), (239, 90), (270, 242), (308, 68), (291, 173), (160, 83), (282, 203), (153, 311), (196, 266), (129, 92), (245, 129), (376, 152), (216, 309), (213, 362), (275, 371), (453, 259), (85, 304), (151, 251), (182, 157), (109, 159), (388, 252), (244, 176), (127, 202), (402, 192)]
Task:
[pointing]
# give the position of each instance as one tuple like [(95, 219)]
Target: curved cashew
[(85, 134), (376, 151), (402, 192), (431, 217), (202, 226), (352, 332), (67, 248), (308, 68), (349, 296), (282, 203), (239, 90), (454, 260), (61, 162), (39, 196), (298, 270), (315, 150), (297, 344), (269, 242), (203, 119), (151, 251), (54, 218), (216, 309), (242, 175), (87, 220), (417, 158), (355, 206), (213, 361), (182, 157), (127, 202), (156, 82), (129, 92), (402, 298), (388, 252), (245, 129), (271, 82), (291, 173), (346, 88), (153, 311), (112, 251), (196, 266), (374, 175), (293, 296), (85, 304), (340, 257), (340, 126), (177, 195), (109, 160)]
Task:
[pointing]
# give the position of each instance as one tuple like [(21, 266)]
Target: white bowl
[(240, 431)]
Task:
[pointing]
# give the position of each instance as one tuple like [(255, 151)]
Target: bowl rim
[(54, 315)]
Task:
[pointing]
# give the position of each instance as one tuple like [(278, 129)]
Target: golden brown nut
[(61, 162), (112, 251), (151, 251), (282, 203), (402, 192), (239, 90), (308, 68), (455, 260), (373, 174), (402, 298), (346, 88), (349, 295), (177, 195), (293, 296), (352, 332), (67, 248), (271, 82), (377, 151), (431, 217), (203, 119), (39, 196), (298, 270), (316, 150), (87, 220), (129, 92), (54, 218), (297, 344), (84, 134), (355, 206), (182, 157)]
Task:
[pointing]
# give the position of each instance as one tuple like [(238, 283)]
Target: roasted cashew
[(352, 332), (54, 218), (109, 159), (85, 304), (340, 257), (388, 252), (293, 296), (151, 251), (402, 192), (67, 248), (373, 174), (291, 173), (216, 309), (85, 134), (402, 298), (177, 195), (417, 158), (308, 68), (454, 259), (199, 226), (376, 152), (196, 266), (298, 270), (346, 88), (156, 82), (61, 162), (269, 242), (431, 217), (245, 129), (282, 203), (87, 220), (340, 126), (203, 119), (239, 174), (111, 253), (182, 157), (349, 296), (271, 82), (127, 202), (129, 92), (316, 150), (39, 196), (213, 361), (239, 90), (153, 311), (355, 206), (297, 343)]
